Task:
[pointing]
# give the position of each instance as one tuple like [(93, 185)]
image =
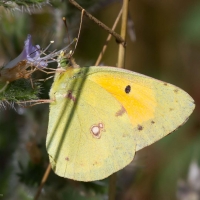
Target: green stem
[(121, 62), (112, 186), (121, 54)]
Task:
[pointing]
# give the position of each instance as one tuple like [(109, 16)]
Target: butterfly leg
[(34, 102), (45, 79)]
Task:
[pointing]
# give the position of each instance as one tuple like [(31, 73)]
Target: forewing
[(155, 108)]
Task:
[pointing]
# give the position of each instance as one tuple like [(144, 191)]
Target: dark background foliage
[(167, 47)]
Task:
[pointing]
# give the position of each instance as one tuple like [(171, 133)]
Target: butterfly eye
[(128, 89)]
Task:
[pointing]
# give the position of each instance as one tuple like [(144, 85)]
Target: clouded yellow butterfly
[(100, 116)]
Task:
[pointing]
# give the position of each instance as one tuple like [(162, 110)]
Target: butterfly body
[(101, 115)]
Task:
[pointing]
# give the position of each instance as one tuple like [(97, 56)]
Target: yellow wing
[(86, 141), (155, 108), (101, 115)]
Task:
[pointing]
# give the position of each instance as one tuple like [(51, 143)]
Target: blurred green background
[(165, 45)]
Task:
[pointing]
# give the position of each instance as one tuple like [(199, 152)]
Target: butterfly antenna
[(65, 23), (82, 13)]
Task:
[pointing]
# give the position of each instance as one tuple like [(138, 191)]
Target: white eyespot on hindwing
[(96, 130)]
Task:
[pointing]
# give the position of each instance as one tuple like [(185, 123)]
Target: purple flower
[(31, 54)]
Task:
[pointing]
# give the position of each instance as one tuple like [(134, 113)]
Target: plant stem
[(121, 59), (108, 39), (121, 54), (44, 179), (113, 33), (112, 186)]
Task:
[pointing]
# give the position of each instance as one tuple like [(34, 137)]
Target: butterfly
[(100, 116)]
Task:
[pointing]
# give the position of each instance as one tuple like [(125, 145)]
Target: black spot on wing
[(67, 158), (128, 89), (70, 96), (120, 112), (176, 91), (139, 127)]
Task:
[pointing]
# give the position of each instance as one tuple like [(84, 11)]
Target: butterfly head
[(66, 60)]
